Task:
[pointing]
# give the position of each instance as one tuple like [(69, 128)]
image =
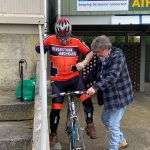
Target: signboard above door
[(112, 5)]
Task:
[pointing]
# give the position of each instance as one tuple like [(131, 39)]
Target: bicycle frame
[(74, 132), (73, 127)]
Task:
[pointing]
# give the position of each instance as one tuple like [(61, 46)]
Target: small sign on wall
[(113, 5), (102, 5)]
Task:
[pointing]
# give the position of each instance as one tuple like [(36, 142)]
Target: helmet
[(63, 29)]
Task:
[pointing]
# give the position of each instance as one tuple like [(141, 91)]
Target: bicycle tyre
[(71, 135), (80, 134)]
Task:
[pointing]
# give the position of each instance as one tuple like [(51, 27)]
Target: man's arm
[(88, 57), (45, 44), (82, 65)]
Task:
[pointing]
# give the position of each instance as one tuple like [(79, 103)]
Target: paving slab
[(16, 135)]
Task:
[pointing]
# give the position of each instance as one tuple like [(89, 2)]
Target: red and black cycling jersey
[(64, 58)]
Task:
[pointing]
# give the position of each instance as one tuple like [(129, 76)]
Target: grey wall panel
[(21, 7), (21, 11)]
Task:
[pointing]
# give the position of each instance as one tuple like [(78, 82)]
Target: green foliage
[(131, 39), (119, 39), (88, 39)]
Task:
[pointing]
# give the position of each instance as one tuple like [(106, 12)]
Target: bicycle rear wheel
[(76, 136)]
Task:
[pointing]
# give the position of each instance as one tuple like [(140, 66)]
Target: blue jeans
[(112, 120)]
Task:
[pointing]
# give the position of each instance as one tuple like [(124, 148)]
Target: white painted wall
[(13, 48), (19, 21)]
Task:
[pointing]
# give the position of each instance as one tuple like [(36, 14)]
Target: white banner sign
[(102, 5)]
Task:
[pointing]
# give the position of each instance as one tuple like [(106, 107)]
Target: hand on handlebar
[(90, 91), (67, 93)]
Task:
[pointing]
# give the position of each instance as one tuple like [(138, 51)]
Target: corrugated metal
[(69, 8)]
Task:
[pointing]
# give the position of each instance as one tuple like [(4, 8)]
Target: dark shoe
[(53, 139), (90, 131), (123, 145)]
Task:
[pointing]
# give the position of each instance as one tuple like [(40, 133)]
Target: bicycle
[(73, 127)]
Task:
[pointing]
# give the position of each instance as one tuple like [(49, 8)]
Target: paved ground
[(135, 125)]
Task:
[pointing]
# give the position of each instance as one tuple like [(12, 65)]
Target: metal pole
[(43, 94), (40, 80), (21, 61), (59, 9), (21, 82)]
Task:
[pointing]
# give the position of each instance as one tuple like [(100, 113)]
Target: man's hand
[(80, 66), (90, 91)]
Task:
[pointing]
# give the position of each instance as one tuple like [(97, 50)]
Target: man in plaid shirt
[(114, 87)]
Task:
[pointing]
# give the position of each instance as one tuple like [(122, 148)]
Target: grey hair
[(101, 42)]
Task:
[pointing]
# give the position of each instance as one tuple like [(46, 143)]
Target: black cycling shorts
[(74, 84)]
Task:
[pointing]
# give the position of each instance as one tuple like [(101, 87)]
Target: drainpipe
[(46, 16), (59, 9)]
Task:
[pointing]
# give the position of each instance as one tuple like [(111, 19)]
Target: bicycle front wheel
[(76, 136)]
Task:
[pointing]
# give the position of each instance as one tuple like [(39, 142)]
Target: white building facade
[(19, 21)]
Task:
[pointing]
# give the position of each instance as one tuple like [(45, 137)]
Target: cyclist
[(64, 56)]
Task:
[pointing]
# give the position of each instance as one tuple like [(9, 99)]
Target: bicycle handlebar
[(71, 93)]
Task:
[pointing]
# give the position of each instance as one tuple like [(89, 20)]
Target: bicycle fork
[(70, 117)]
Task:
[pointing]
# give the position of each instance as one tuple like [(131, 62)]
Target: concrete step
[(16, 135), (12, 109), (16, 122)]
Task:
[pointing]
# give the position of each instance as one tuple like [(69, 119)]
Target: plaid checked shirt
[(114, 81)]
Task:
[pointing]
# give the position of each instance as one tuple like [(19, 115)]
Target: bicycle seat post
[(70, 105)]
